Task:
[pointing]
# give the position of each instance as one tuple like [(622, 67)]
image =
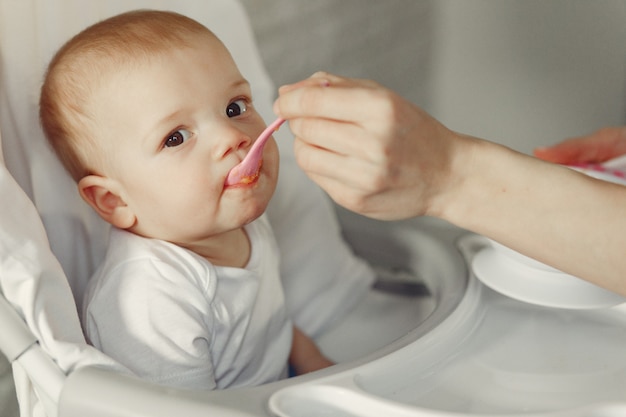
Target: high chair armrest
[(98, 392), (20, 345), (16, 336)]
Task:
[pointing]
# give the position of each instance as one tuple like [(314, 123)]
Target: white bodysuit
[(175, 319)]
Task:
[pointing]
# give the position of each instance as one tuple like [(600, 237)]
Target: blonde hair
[(79, 67)]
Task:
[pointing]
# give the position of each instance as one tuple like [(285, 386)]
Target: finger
[(611, 142), (333, 79), (353, 173), (338, 137), (371, 203), (600, 146), (321, 78), (350, 101), (560, 154), (326, 79), (347, 197), (377, 204)]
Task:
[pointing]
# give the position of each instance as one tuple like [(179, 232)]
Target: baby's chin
[(246, 203), (253, 213)]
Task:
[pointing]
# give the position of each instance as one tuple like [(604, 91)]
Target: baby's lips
[(248, 169), (234, 177)]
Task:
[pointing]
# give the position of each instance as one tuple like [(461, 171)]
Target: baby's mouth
[(250, 178), (247, 171)]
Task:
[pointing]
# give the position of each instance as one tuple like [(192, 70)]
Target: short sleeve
[(154, 319)]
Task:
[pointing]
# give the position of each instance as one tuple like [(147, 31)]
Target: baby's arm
[(305, 356)]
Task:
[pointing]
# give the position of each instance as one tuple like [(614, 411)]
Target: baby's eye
[(177, 138), (236, 108)]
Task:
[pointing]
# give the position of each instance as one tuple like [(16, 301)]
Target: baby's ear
[(102, 194)]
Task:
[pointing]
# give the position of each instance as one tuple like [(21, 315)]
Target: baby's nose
[(231, 141)]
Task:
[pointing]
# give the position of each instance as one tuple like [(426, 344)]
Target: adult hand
[(372, 151), (597, 147)]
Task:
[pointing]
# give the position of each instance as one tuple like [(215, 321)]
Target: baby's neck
[(232, 249)]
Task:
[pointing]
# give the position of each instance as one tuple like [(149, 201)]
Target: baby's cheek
[(272, 157)]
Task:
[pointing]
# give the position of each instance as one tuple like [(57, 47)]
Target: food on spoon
[(247, 171), (249, 179)]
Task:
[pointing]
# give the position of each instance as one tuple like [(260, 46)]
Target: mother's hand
[(372, 151), (600, 146)]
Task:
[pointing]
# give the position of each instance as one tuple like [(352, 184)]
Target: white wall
[(386, 40), (530, 72), (520, 72)]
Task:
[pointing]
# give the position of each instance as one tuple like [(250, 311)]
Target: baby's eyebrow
[(241, 82)]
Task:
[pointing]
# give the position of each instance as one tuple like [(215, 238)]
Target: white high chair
[(410, 347), (50, 241)]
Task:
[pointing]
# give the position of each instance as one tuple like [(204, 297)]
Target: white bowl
[(521, 277), (513, 255), (525, 279)]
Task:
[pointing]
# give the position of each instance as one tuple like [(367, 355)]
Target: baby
[(148, 113)]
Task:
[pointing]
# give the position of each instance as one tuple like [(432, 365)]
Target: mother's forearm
[(551, 213)]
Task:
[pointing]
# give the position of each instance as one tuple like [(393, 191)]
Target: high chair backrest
[(321, 276), (31, 34)]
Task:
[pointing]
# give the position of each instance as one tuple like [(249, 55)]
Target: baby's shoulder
[(135, 260)]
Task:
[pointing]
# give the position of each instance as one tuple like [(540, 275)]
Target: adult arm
[(379, 155)]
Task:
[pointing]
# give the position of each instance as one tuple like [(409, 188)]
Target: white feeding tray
[(525, 279)]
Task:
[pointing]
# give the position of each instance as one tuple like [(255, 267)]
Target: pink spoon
[(248, 170)]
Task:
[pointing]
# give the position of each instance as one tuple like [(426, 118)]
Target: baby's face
[(170, 131)]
